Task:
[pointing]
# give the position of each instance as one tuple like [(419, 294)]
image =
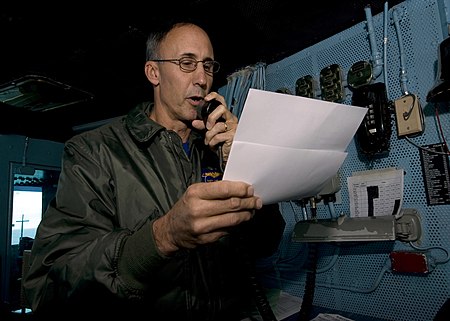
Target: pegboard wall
[(357, 277)]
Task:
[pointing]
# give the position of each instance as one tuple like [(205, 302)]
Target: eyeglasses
[(187, 64)]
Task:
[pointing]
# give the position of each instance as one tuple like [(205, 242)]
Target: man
[(133, 230)]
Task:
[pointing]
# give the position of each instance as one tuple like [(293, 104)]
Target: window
[(32, 188), (27, 212)]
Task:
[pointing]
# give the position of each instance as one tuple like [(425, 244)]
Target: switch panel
[(305, 86), (331, 83)]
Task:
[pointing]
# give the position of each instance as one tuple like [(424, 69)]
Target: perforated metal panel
[(357, 278)]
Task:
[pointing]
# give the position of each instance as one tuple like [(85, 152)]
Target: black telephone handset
[(208, 108), (373, 135)]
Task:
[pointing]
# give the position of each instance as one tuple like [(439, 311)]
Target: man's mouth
[(196, 100)]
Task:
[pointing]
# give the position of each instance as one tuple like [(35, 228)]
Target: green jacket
[(115, 181)]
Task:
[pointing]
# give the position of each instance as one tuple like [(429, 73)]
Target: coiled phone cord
[(310, 284), (261, 301)]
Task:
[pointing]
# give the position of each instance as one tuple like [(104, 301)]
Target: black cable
[(310, 284), (261, 301), (262, 304)]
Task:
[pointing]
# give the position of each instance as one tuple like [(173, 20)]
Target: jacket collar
[(142, 128)]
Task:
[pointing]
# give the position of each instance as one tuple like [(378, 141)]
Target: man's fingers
[(220, 190)]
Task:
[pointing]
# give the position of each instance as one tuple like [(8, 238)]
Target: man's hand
[(204, 214), (219, 131)]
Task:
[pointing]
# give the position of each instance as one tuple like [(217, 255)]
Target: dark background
[(100, 48)]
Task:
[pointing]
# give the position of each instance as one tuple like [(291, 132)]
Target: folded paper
[(288, 147)]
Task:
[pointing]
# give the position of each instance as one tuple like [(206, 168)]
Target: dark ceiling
[(99, 48)]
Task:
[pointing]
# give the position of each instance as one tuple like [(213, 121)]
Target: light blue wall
[(358, 278)]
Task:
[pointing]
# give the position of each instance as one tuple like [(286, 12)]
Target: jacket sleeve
[(78, 241)]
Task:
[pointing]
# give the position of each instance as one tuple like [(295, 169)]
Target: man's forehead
[(186, 39)]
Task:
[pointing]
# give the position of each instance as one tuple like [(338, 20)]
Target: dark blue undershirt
[(186, 149)]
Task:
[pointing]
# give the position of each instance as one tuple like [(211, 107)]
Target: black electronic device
[(331, 83), (441, 90), (374, 133), (209, 172), (208, 108), (305, 87), (359, 74)]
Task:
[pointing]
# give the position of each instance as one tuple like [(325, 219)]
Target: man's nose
[(200, 75)]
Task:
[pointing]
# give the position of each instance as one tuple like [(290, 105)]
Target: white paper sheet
[(387, 196), (330, 317), (289, 146)]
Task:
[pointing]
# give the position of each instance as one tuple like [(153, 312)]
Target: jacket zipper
[(173, 145)]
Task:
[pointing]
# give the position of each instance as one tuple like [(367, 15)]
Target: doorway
[(32, 187)]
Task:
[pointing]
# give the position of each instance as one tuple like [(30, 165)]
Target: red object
[(409, 262)]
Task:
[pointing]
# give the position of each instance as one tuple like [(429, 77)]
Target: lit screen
[(27, 207)]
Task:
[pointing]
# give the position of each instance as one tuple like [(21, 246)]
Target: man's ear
[(152, 72)]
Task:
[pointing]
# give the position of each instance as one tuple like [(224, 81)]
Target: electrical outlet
[(409, 116)]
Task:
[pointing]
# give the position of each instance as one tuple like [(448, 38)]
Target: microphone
[(207, 109)]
